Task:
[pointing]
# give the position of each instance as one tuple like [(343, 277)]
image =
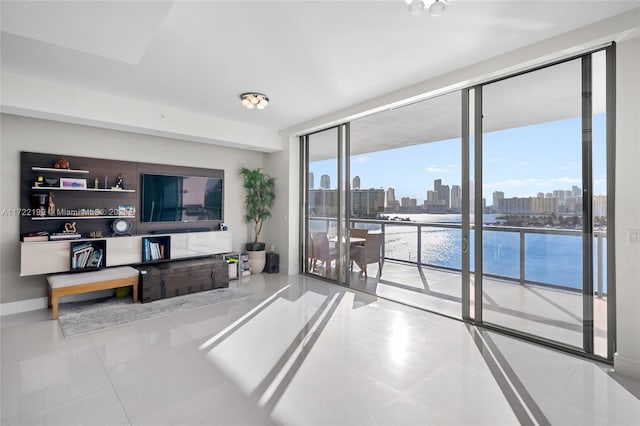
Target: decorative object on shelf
[(95, 234), (69, 183), (39, 181), (95, 184), (105, 182), (119, 182), (259, 198), (51, 207), (39, 205), (51, 181), (121, 227), (223, 227), (126, 210), (254, 100), (62, 164), (70, 228), (35, 237)]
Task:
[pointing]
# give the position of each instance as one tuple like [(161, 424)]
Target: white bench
[(84, 282)]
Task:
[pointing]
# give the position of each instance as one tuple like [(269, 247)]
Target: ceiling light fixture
[(437, 8), (254, 100), (416, 7)]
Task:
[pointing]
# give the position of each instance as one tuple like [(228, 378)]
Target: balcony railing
[(541, 256)]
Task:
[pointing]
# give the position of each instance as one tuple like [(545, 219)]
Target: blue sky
[(520, 162)]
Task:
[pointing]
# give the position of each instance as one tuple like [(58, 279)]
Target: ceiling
[(310, 57)]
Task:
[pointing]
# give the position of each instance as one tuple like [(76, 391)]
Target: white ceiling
[(310, 57)]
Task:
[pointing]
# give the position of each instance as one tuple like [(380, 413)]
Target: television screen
[(170, 198)]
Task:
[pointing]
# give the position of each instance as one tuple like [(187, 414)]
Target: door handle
[(465, 245)]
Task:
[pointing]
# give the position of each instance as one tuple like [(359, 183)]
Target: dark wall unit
[(93, 192), (92, 209)]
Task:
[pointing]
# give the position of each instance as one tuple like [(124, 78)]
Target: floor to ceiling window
[(489, 204), (544, 222), (406, 204)]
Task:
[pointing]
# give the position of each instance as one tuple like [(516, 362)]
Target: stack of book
[(243, 265), (64, 236), (153, 251), (36, 236), (86, 256)]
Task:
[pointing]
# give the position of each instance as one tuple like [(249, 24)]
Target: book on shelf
[(95, 259), (64, 236), (36, 236), (153, 251), (85, 256)]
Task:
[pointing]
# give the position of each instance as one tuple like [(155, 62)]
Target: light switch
[(634, 236)]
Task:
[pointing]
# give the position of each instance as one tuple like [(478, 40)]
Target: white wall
[(627, 359), (282, 228), (37, 135)]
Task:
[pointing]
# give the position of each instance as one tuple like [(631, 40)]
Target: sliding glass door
[(544, 217), (324, 204), (491, 204)]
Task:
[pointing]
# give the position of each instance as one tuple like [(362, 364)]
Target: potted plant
[(260, 194)]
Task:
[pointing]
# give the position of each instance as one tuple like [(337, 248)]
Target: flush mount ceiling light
[(254, 100), (416, 7)]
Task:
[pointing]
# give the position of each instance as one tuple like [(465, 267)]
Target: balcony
[(532, 276)]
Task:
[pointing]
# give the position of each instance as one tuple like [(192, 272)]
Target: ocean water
[(549, 259)]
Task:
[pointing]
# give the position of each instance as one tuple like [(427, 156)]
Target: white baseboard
[(23, 306), (626, 366), (41, 302)]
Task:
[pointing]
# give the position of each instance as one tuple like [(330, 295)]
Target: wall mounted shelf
[(55, 188), (52, 170), (80, 217)]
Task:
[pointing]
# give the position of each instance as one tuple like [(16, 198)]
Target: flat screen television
[(173, 198)]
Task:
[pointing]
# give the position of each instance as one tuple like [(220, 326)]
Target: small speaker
[(272, 263)]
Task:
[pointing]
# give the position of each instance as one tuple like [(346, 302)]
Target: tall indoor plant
[(260, 194)]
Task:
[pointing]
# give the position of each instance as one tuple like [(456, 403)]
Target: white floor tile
[(96, 408), (313, 354)]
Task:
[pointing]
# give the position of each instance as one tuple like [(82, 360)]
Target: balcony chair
[(320, 251), (369, 252)]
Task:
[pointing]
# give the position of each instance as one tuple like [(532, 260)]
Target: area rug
[(87, 316)]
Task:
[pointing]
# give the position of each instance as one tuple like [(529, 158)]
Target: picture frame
[(68, 183)]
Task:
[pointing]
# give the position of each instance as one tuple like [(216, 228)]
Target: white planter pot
[(257, 260)]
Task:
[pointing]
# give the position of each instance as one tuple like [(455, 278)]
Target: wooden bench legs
[(56, 293)]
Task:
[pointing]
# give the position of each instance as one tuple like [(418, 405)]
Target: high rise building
[(456, 199), (437, 184), (311, 180), (599, 205), (356, 183), (391, 197), (497, 196), (325, 182), (407, 202), (445, 194), (576, 191), (367, 203)]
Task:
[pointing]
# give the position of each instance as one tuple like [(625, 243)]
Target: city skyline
[(535, 163)]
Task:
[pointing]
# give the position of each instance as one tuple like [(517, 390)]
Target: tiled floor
[(546, 312), (298, 351)]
